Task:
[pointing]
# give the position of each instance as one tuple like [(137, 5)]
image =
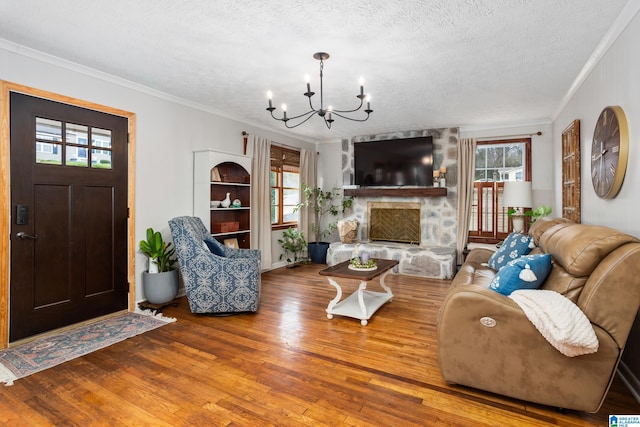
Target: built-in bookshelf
[(217, 174)]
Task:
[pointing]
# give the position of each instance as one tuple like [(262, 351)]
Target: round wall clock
[(609, 152)]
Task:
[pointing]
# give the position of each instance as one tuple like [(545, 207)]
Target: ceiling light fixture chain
[(325, 113)]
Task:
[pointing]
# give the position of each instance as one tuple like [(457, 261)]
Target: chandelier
[(325, 113)]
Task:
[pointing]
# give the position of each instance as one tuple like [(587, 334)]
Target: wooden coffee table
[(362, 304)]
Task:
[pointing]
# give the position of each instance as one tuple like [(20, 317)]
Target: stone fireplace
[(394, 222), (429, 252)]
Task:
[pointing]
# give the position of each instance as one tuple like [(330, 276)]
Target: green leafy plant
[(539, 212), (294, 244), (158, 251), (355, 261), (330, 202)]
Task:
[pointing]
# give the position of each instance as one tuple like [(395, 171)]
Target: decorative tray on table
[(356, 265)]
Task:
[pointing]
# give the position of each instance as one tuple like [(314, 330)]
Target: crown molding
[(627, 14), (100, 75)]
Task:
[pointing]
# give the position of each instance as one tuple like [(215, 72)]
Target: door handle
[(23, 235)]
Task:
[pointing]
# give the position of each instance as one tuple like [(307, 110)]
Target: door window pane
[(48, 153), (101, 159), (50, 130), (101, 137), (77, 134), (77, 156)]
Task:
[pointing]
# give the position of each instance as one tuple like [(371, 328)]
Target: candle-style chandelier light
[(325, 113)]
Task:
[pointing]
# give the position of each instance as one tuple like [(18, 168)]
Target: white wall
[(615, 80), (167, 133), (330, 164)]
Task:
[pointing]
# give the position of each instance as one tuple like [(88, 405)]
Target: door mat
[(51, 350)]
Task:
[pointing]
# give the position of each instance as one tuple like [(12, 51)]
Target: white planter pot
[(160, 288)]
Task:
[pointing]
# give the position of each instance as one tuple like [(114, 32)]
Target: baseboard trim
[(277, 265), (630, 380)]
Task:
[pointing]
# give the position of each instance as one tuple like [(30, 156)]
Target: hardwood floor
[(285, 365)]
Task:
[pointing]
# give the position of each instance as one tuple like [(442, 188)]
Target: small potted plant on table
[(160, 282)]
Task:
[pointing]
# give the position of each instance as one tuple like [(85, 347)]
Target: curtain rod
[(245, 134), (489, 138)]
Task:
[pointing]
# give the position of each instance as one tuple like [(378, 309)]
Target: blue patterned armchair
[(217, 279)]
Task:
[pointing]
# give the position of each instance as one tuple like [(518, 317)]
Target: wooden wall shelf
[(396, 192)]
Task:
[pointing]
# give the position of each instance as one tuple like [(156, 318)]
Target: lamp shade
[(517, 194)]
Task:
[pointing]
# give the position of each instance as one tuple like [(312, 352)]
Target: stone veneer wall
[(439, 214)]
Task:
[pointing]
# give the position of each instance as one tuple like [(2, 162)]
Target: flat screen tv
[(394, 162)]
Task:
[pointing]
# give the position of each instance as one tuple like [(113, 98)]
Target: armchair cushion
[(526, 272), (513, 247), (215, 247)]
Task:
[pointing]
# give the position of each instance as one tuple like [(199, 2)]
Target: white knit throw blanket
[(559, 320)]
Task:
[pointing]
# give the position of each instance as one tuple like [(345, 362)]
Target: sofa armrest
[(479, 255), (465, 303)]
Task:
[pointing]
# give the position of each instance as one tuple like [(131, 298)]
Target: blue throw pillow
[(215, 247), (526, 272), (513, 247)]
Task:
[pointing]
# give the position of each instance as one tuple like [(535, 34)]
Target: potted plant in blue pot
[(323, 203), (160, 281)]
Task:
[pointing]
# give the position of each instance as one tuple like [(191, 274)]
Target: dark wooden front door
[(69, 215)]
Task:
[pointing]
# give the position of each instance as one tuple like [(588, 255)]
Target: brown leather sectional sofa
[(596, 267)]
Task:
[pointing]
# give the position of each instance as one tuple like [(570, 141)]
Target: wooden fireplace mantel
[(396, 192)]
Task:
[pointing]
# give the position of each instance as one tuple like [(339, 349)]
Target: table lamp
[(517, 195)]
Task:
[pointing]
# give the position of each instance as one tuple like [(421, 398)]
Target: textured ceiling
[(432, 63)]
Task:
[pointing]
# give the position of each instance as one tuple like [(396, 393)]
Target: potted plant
[(293, 243), (322, 203), (160, 282), (539, 212)]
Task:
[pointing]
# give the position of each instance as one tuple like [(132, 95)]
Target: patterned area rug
[(48, 351)]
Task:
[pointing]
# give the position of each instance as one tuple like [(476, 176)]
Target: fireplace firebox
[(394, 222)]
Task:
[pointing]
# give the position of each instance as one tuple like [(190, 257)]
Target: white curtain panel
[(260, 198), (466, 176)]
